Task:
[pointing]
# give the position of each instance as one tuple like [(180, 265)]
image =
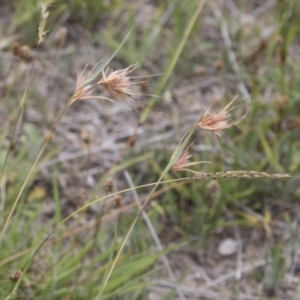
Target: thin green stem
[(173, 62), (31, 171)]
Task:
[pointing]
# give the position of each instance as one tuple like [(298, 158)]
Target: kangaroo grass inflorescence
[(119, 85), (217, 122), (180, 161)]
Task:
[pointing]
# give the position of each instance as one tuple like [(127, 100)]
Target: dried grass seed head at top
[(83, 91), (183, 162), (117, 83), (217, 122)]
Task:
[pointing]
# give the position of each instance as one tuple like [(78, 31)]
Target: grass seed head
[(218, 121), (118, 201), (25, 53), (183, 161), (213, 187), (15, 48), (48, 136), (44, 16), (14, 277), (118, 83), (109, 186), (83, 91)]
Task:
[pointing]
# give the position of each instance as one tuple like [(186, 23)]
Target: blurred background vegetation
[(244, 48)]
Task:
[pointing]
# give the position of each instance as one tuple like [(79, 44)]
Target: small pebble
[(227, 247)]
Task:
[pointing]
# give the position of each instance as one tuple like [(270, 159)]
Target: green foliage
[(86, 12), (75, 262)]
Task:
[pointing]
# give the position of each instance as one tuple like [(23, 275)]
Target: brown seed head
[(48, 135), (218, 64), (218, 121), (215, 122), (83, 91), (117, 83), (183, 161), (212, 187), (109, 186), (15, 48), (118, 200), (85, 135), (14, 277), (25, 53), (60, 37)]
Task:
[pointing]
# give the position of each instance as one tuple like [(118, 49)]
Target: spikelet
[(43, 20), (117, 83), (183, 162), (217, 122)]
